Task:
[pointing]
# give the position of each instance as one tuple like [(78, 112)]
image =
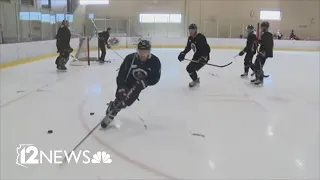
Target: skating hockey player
[(249, 50), (138, 71), (102, 42), (265, 51), (63, 45), (198, 43)]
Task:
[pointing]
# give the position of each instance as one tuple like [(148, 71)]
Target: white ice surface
[(250, 133)]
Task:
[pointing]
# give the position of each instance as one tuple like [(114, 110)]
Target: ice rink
[(248, 132)]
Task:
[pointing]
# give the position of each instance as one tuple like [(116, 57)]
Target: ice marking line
[(39, 89), (115, 151)]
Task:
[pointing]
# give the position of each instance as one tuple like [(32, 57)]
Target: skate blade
[(195, 86), (110, 126), (258, 85)]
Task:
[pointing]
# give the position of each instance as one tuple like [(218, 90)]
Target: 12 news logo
[(28, 154)]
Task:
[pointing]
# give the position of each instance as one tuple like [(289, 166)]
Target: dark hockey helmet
[(265, 24), (144, 45), (65, 22), (193, 26), (250, 27)]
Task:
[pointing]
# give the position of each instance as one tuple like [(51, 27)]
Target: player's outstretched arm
[(182, 55), (123, 71), (155, 73), (187, 48)]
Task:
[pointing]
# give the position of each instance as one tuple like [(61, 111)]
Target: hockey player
[(250, 50), (63, 45), (138, 71), (265, 51), (102, 42), (198, 43)]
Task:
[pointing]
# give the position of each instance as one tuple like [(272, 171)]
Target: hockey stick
[(117, 54), (75, 148), (144, 124), (220, 66)]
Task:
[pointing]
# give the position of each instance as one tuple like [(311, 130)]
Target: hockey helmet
[(250, 27), (193, 26), (144, 45), (65, 22), (265, 24)]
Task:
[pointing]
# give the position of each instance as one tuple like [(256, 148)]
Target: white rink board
[(21, 51)]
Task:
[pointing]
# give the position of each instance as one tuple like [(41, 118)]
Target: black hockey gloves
[(203, 60), (108, 46), (122, 94), (181, 56), (129, 96), (241, 53), (261, 55)]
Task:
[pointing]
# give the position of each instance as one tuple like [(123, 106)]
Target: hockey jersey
[(199, 46), (132, 63), (266, 44), (252, 43)]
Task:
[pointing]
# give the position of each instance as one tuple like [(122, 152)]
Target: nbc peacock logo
[(101, 157)]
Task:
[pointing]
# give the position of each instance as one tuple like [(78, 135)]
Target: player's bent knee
[(189, 69)]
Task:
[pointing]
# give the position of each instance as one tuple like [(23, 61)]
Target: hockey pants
[(102, 48), (132, 97), (192, 69), (248, 61), (258, 67), (63, 58)]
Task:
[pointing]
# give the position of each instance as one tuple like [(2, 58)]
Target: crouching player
[(138, 71)]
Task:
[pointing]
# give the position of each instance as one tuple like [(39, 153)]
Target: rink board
[(21, 53)]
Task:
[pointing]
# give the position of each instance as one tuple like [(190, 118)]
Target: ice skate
[(109, 118), (258, 82), (254, 80), (101, 60), (113, 108), (61, 68), (194, 83), (61, 64), (244, 75)]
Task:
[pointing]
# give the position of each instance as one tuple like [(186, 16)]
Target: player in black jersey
[(138, 71), (102, 42), (63, 45), (265, 51), (250, 50), (198, 43)]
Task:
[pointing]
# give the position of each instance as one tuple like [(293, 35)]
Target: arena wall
[(20, 53), (215, 18)]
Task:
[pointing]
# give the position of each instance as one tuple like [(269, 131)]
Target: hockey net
[(83, 54)]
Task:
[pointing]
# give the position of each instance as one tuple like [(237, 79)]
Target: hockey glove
[(122, 94), (140, 75), (203, 60), (241, 53), (261, 55), (181, 56), (69, 50), (141, 85), (108, 46)]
